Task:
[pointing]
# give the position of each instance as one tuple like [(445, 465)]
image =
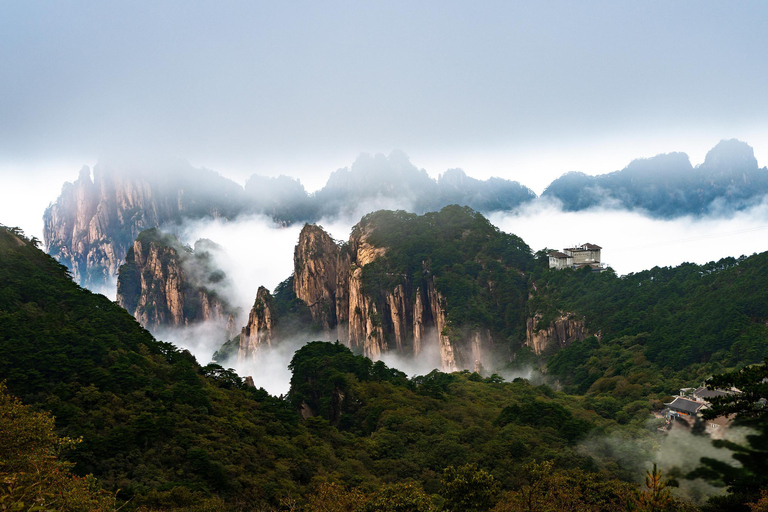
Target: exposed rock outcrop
[(316, 260), (563, 330), (164, 284), (403, 318), (90, 227), (260, 329), (93, 223)]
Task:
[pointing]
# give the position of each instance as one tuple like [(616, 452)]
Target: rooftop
[(703, 392), (585, 247), (685, 405)]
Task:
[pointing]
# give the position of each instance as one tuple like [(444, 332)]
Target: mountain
[(93, 223), (164, 433), (165, 284), (445, 286), (668, 186), (450, 289), (171, 434)]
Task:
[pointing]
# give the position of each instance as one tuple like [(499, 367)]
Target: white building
[(587, 255), (559, 260)]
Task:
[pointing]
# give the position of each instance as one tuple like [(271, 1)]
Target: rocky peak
[(452, 178), (660, 167), (93, 223), (165, 284), (260, 329), (730, 156), (386, 313), (316, 260)]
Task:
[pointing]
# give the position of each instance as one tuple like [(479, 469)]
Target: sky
[(521, 90)]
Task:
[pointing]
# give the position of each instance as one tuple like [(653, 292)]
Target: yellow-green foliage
[(32, 477)]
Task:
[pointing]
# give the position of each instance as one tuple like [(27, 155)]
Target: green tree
[(32, 477), (656, 497), (469, 489), (407, 497), (746, 479)]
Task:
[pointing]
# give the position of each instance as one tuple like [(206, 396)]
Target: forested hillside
[(161, 432), (165, 433), (665, 326)]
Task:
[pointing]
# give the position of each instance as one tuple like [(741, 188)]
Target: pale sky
[(522, 90)]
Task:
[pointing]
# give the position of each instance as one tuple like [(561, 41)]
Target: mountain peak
[(729, 155)]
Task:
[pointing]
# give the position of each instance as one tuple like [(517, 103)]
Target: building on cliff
[(687, 407), (586, 255)]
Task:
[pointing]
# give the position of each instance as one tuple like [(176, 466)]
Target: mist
[(632, 241), (256, 251), (269, 366), (201, 339), (676, 453)]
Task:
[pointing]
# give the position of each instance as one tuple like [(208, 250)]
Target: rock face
[(316, 260), (405, 318), (259, 332), (563, 330), (93, 223), (163, 284)]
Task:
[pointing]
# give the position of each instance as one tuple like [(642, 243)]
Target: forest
[(104, 416)]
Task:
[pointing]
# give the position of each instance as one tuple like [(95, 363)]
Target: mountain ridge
[(90, 227)]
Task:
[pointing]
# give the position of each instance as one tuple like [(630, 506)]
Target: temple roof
[(685, 405)]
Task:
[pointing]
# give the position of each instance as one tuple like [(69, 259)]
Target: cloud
[(257, 252), (269, 365), (201, 339), (633, 242)]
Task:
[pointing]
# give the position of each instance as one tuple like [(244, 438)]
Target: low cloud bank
[(258, 252), (632, 241), (269, 366), (676, 453), (201, 339)]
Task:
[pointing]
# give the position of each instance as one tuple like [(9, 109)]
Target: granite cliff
[(447, 285), (260, 329), (90, 227), (165, 284), (558, 333), (94, 222)]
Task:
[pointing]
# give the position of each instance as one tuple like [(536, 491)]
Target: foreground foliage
[(32, 476), (165, 433)]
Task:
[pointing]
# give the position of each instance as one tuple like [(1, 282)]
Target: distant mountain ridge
[(669, 186), (90, 227), (93, 223)]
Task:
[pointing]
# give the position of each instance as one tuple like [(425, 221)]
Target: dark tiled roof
[(703, 392), (585, 247), (558, 254), (685, 405)]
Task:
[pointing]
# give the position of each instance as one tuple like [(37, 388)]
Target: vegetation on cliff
[(688, 321), (166, 283), (169, 433), (478, 269)]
